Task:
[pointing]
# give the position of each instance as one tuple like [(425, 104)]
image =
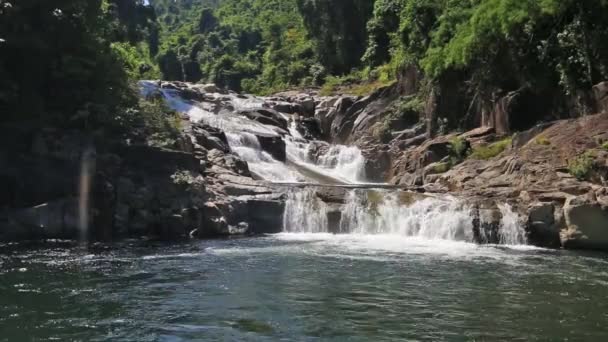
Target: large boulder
[(586, 224), (544, 224), (600, 92)]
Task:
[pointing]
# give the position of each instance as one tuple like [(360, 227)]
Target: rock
[(210, 138), (587, 224), (210, 88), (307, 106), (377, 165), (267, 117), (274, 145), (287, 107), (600, 93), (52, 220), (332, 194), (265, 216), (309, 128), (543, 229), (486, 224), (522, 138), (415, 141), (478, 133)]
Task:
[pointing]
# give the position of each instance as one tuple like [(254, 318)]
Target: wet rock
[(265, 216), (486, 224), (210, 88), (586, 224), (377, 165), (286, 107), (52, 220), (267, 117), (543, 229), (307, 106), (274, 145), (309, 128)]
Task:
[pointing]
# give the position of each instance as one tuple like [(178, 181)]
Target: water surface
[(304, 287)]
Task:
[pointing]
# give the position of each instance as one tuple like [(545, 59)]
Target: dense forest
[(78, 57)]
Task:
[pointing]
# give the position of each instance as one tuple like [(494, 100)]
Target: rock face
[(586, 224)]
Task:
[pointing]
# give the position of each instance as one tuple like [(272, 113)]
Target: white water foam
[(341, 164), (261, 163), (382, 212), (305, 212), (511, 231)]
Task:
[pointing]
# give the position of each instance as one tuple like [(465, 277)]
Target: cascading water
[(386, 212), (340, 165), (365, 211), (383, 212), (511, 232), (305, 212), (261, 163)]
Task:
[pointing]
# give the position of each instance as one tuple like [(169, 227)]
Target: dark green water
[(302, 288)]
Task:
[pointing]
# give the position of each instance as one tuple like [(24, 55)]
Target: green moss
[(442, 168), (542, 140), (605, 146), (582, 166), (492, 150)]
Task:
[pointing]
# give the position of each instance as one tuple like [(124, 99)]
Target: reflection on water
[(302, 287)]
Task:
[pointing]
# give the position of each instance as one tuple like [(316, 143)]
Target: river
[(302, 287)]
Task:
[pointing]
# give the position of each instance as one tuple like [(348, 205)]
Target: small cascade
[(305, 212), (511, 231), (261, 163), (374, 212), (339, 165), (346, 161), (408, 214)]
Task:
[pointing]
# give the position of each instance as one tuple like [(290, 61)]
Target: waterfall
[(375, 212), (511, 231), (261, 163), (365, 211), (305, 212), (408, 214), (339, 165), (346, 161)]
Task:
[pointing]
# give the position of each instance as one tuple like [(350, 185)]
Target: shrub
[(492, 150), (156, 123), (460, 149), (581, 166)]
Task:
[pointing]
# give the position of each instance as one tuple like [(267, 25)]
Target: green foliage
[(69, 62), (403, 113), (339, 31), (459, 150), (605, 146), (259, 46), (153, 121), (582, 166), (490, 151)]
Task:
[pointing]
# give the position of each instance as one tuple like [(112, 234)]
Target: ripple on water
[(305, 287)]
